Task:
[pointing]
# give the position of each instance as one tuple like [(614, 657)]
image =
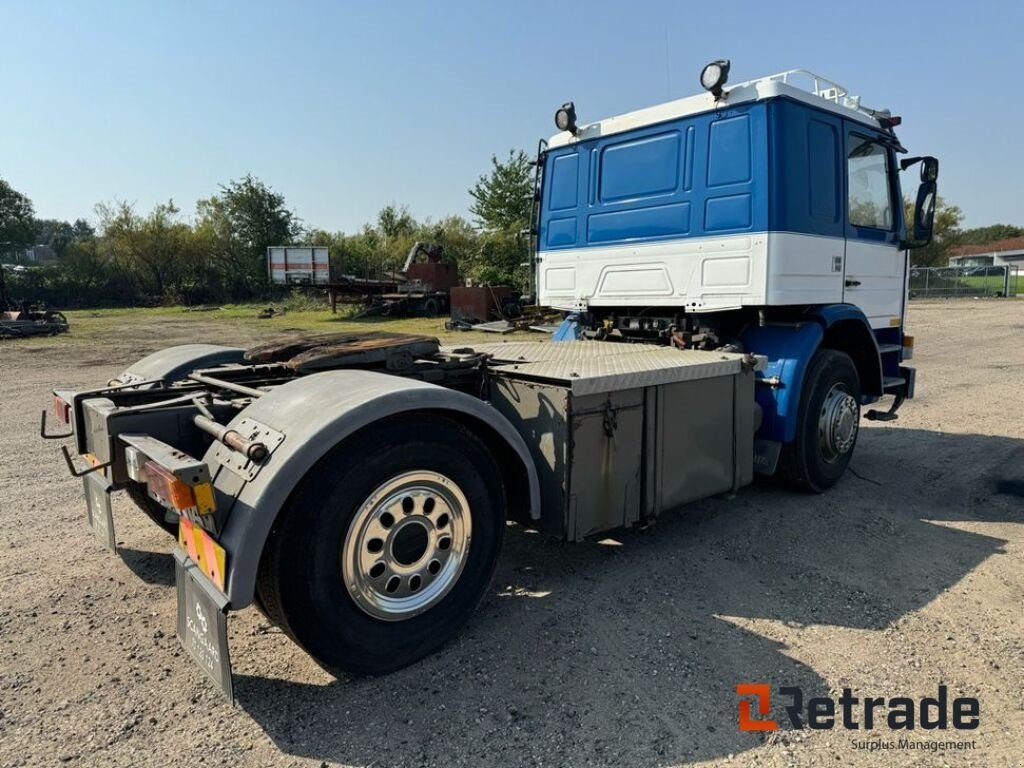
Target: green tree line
[(948, 234), (218, 253)]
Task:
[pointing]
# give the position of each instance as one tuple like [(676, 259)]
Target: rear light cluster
[(187, 500), (166, 487), (177, 494), (61, 410)]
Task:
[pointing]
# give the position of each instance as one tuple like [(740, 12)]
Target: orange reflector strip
[(162, 483), (203, 551)]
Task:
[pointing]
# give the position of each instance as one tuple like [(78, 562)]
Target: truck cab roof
[(798, 84)]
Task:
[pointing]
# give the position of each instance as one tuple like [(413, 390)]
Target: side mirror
[(929, 169), (924, 209), (924, 212)]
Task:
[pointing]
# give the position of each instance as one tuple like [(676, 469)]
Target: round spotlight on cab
[(565, 118), (714, 76)]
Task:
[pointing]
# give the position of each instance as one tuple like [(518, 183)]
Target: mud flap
[(97, 505), (203, 623), (766, 456)]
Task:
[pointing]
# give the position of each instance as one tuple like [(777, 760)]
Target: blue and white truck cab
[(766, 217)]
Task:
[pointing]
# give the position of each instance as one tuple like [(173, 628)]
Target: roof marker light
[(714, 77), (565, 118)]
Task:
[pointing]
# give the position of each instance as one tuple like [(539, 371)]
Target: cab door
[(874, 264)]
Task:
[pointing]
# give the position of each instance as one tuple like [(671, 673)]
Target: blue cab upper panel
[(771, 165), (704, 174)]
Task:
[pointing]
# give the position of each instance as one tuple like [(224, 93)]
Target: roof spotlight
[(714, 76), (565, 118)]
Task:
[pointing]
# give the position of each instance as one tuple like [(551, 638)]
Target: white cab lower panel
[(699, 274), (875, 275), (804, 269)]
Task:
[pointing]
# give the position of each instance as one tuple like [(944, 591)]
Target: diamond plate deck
[(590, 367), (539, 351)]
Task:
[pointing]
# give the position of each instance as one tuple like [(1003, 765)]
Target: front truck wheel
[(828, 420), (387, 545)]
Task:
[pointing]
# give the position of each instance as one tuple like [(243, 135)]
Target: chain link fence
[(964, 281)]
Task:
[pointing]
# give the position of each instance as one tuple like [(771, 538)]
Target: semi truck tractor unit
[(733, 269)]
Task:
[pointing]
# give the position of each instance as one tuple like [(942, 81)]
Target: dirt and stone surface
[(627, 652)]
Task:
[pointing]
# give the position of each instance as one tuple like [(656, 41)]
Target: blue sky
[(345, 107)]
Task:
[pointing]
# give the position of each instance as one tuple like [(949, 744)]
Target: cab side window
[(869, 203)]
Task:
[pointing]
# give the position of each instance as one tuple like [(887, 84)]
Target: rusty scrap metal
[(334, 350)]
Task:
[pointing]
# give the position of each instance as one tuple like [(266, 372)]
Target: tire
[(828, 420), (431, 308), (153, 509), (511, 309), (316, 580)]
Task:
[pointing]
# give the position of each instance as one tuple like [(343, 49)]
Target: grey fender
[(316, 413), (173, 363)]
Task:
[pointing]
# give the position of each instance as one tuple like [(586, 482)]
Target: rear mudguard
[(789, 348), (175, 363), (315, 413)]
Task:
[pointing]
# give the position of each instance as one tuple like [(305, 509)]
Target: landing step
[(887, 348), (892, 382)]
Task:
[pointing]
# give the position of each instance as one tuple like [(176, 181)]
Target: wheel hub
[(406, 545), (410, 542), (838, 423)]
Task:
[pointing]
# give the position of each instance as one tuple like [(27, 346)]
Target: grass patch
[(939, 286), (97, 326), (993, 284)]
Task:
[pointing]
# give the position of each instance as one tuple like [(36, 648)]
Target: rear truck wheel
[(828, 421), (386, 547), (154, 510)]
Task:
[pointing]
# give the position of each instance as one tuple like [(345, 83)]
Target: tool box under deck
[(622, 432)]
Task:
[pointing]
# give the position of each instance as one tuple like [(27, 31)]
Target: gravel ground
[(908, 574)]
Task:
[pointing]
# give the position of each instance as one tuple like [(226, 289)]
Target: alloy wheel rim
[(406, 545)]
